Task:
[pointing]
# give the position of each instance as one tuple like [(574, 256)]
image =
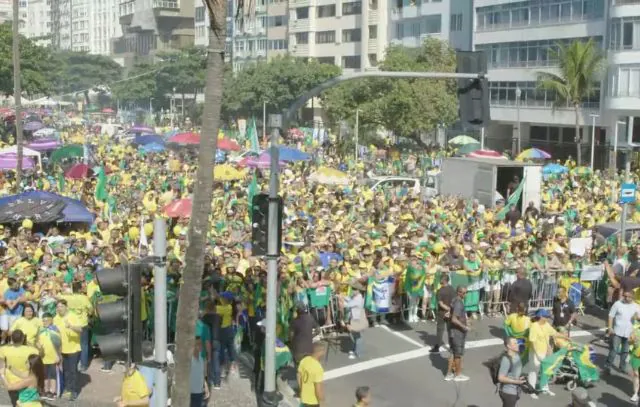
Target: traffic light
[(473, 94), (120, 333), (260, 224)]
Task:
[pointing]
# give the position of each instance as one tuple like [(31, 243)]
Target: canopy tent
[(74, 210), (68, 151), (9, 161), (26, 152), (46, 101), (44, 145)]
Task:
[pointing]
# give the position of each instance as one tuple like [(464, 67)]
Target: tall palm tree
[(17, 89), (580, 64)]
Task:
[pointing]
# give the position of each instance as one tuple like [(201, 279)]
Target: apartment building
[(151, 26), (104, 24), (36, 23), (258, 35), (6, 11)]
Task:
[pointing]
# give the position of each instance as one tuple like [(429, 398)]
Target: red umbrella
[(180, 208), (79, 171), (228, 145), (487, 154), (185, 138), (107, 110)]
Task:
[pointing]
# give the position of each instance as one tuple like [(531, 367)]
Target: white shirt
[(622, 314), (196, 380)]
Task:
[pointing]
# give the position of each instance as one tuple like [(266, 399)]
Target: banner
[(380, 295)]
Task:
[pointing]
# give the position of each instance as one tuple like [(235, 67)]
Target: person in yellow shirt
[(48, 342), (28, 323), (29, 387), (15, 358), (225, 310), (540, 334), (70, 329), (134, 390), (80, 305), (310, 377)]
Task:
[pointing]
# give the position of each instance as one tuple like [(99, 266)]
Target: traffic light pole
[(160, 310), (270, 396)]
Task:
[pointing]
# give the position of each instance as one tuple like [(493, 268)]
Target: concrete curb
[(288, 395)]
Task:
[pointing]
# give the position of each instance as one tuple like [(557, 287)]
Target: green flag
[(414, 281), (252, 135), (101, 193), (513, 200), (549, 366), (587, 370), (61, 182)]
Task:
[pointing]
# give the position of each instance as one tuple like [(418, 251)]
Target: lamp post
[(593, 137), (264, 122), (356, 133)]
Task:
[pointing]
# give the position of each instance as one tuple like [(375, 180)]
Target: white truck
[(488, 179)]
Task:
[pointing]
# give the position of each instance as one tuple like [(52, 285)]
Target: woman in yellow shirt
[(28, 323), (134, 391), (28, 388)]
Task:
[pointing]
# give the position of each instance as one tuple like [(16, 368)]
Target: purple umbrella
[(10, 162), (141, 129), (33, 126), (44, 145), (263, 161)]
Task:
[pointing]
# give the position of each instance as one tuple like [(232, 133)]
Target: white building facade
[(36, 22), (104, 24)]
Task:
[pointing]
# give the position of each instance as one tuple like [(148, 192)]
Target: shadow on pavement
[(608, 399), (439, 362), (496, 332), (426, 337)]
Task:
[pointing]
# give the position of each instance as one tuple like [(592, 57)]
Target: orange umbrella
[(180, 208)]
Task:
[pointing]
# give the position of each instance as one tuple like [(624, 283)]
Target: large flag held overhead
[(101, 193), (513, 200), (580, 355), (252, 135), (252, 191)]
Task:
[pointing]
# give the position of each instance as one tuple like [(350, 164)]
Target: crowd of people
[(339, 240)]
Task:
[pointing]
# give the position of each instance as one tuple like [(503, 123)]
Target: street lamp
[(356, 133), (264, 121), (518, 142)]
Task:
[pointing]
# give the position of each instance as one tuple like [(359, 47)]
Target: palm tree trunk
[(188, 300), (17, 90), (578, 138)]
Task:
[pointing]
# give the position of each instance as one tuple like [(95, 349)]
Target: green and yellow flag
[(414, 281), (512, 200)]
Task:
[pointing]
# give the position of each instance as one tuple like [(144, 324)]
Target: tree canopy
[(407, 107), (278, 82)]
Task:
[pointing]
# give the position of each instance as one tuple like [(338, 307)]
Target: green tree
[(35, 63), (407, 107), (580, 64), (140, 86), (78, 71), (278, 82), (183, 71)]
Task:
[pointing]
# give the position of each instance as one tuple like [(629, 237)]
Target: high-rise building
[(6, 11), (149, 26), (104, 24), (37, 20), (61, 27)]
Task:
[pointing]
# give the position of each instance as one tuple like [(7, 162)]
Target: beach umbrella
[(44, 145), (152, 148), (141, 129), (228, 145), (463, 140), (225, 172), (289, 154), (330, 176), (263, 161), (533, 154), (487, 154), (74, 210), (185, 138), (468, 148), (554, 168), (67, 151), (33, 126), (44, 132), (148, 139), (9, 161), (79, 171), (180, 208)]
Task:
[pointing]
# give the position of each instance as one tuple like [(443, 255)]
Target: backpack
[(494, 367)]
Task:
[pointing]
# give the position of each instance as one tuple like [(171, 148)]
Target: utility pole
[(271, 398), (593, 138), (482, 138), (356, 132), (264, 121), (160, 310), (17, 90)]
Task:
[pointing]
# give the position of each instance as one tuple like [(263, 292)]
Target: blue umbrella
[(152, 148), (74, 211), (292, 155), (220, 156), (554, 168), (145, 139)]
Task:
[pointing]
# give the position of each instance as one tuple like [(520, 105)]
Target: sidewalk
[(235, 391)]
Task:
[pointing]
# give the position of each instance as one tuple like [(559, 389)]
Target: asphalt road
[(401, 372)]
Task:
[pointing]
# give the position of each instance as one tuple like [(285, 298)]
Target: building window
[(504, 94), (302, 38), (326, 11), (373, 60), (351, 62), (302, 13), (277, 44), (373, 32), (536, 13), (415, 27), (277, 21), (373, 5), (456, 22), (325, 37), (351, 8), (352, 35), (326, 60), (199, 14)]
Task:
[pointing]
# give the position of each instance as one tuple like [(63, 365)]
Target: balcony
[(300, 50), (126, 8), (299, 3), (299, 25), (373, 16), (166, 4), (624, 8)]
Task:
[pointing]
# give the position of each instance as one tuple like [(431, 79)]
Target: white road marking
[(402, 336), (416, 353)]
